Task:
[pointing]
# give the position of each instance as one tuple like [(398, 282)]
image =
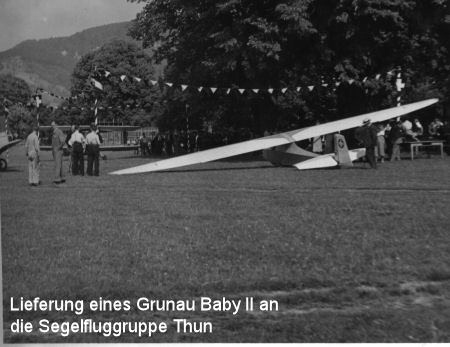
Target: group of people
[(79, 145), (76, 142), (169, 144), (380, 139)]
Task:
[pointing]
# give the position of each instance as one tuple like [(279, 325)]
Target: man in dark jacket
[(367, 135), (396, 138), (58, 141)]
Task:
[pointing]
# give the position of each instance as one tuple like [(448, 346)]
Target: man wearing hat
[(367, 135)]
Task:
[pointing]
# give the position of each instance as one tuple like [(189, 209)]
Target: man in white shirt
[(77, 143), (32, 152), (93, 151)]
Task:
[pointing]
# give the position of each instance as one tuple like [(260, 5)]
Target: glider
[(5, 144), (281, 149)]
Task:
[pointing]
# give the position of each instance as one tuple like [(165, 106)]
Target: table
[(416, 146)]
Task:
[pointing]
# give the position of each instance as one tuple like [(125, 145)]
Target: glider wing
[(8, 145)]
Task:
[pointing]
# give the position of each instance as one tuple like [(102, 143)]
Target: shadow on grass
[(217, 169)]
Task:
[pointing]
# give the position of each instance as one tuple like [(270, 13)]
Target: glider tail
[(342, 154)]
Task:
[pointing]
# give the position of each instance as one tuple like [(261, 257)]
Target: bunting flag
[(241, 90), (284, 90), (377, 77), (213, 89), (107, 73), (183, 87), (123, 77), (256, 91), (299, 89), (169, 84), (350, 81), (270, 90), (200, 89), (228, 91), (137, 79), (153, 82), (311, 88), (96, 84)]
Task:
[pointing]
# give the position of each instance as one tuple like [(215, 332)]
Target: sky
[(38, 19)]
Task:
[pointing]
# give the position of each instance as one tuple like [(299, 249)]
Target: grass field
[(352, 255)]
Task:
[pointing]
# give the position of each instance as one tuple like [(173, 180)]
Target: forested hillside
[(49, 63)]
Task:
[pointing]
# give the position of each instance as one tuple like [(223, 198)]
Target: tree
[(14, 95), (13, 91), (120, 98), (268, 43), (20, 121)]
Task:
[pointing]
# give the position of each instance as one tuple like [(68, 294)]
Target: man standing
[(72, 159), (32, 153), (396, 138), (381, 142), (77, 143), (93, 151), (367, 135), (58, 140)]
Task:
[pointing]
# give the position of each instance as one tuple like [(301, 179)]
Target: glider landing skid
[(292, 155)]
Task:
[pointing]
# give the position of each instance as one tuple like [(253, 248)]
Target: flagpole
[(38, 102), (400, 86), (6, 130), (188, 145)]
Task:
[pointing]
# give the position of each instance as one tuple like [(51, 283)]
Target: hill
[(48, 63)]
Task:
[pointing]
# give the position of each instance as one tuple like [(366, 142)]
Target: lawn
[(351, 255)]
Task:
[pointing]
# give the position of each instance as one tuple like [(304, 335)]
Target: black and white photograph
[(229, 171)]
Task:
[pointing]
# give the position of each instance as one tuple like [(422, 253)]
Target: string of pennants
[(335, 83), (91, 108), (183, 87), (41, 90), (38, 101)]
